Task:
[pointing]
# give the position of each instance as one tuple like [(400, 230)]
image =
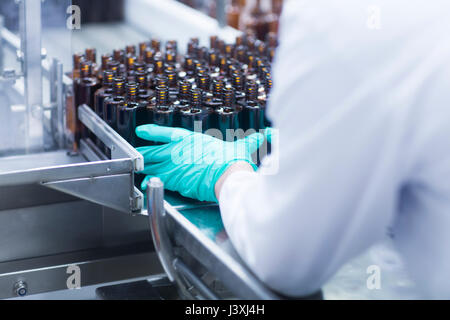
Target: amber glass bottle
[(86, 86), (253, 113), (148, 57), (111, 103), (237, 79), (142, 48), (223, 86), (91, 55), (72, 123), (156, 45), (104, 92), (130, 50), (255, 20), (77, 59), (196, 117), (227, 117), (164, 112), (119, 56), (234, 14), (127, 114)]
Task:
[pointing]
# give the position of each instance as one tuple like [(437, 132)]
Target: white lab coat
[(363, 109)]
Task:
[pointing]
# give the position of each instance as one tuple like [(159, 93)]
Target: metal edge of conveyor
[(105, 182), (120, 148), (232, 272), (52, 273)]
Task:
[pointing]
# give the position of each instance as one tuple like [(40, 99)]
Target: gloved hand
[(268, 132), (190, 162)]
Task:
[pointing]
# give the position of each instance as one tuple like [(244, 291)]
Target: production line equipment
[(70, 196)]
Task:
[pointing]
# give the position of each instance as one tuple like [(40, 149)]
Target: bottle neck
[(218, 88), (184, 91), (149, 55), (238, 81), (77, 59), (251, 92), (132, 92), (91, 55), (108, 79), (228, 97), (171, 79), (130, 50), (142, 49), (203, 82), (119, 87), (159, 66), (119, 56), (257, 11), (161, 80), (131, 60), (156, 45), (86, 69), (162, 96), (196, 98), (141, 79), (106, 58)]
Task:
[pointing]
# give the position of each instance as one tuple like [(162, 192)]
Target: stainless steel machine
[(60, 209)]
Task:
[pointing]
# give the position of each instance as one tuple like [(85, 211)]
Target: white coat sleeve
[(363, 115)]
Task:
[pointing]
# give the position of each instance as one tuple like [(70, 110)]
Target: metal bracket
[(120, 148), (31, 47), (156, 213), (111, 191), (162, 243)]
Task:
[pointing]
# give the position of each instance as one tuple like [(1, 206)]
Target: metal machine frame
[(54, 211), (172, 232), (59, 209)]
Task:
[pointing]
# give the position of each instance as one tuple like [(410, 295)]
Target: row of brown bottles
[(259, 22), (223, 86), (255, 17)]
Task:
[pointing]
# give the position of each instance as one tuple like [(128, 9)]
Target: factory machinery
[(69, 196)]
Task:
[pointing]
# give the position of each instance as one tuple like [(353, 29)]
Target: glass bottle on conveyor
[(227, 116), (84, 89), (126, 114), (197, 117)]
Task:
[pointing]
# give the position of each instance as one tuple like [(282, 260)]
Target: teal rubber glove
[(190, 162), (268, 132)]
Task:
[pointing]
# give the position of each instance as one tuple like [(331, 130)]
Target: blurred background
[(36, 95), (109, 25)]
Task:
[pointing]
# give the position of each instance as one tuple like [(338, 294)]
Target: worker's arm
[(350, 101)]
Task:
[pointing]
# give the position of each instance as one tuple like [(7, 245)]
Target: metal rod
[(120, 148), (156, 212), (2, 24), (57, 102), (221, 13), (194, 280), (60, 103), (161, 240), (30, 31), (10, 39)]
